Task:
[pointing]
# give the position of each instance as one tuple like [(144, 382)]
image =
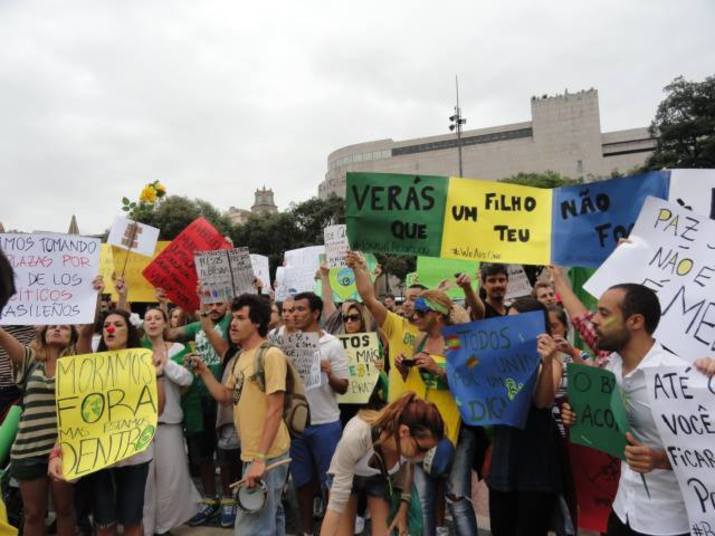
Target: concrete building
[(564, 135), (263, 203)]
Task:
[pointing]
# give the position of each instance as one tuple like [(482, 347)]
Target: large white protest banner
[(303, 350), (682, 401), (672, 251), (518, 284), (336, 245), (300, 267), (224, 274), (261, 270), (131, 235), (53, 278), (693, 189)]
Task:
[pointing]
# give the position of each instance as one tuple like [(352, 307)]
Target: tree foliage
[(174, 213), (548, 179), (684, 126)]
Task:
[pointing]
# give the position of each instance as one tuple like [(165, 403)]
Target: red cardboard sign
[(595, 475), (174, 270)]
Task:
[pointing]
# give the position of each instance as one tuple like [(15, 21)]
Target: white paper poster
[(672, 251), (137, 237), (261, 270), (683, 405), (336, 245), (693, 189), (53, 278), (518, 285), (224, 274), (303, 350), (307, 256)]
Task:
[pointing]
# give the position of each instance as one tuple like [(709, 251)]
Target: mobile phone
[(408, 363)]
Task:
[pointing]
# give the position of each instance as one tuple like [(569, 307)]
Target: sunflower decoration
[(148, 197)]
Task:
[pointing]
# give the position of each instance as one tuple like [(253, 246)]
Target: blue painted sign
[(588, 219), (492, 367)]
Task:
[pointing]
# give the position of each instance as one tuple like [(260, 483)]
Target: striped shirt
[(37, 431), (24, 335)]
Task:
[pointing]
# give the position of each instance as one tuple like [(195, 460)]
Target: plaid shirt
[(587, 332)]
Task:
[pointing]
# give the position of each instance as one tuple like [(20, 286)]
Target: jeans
[(270, 520), (459, 488)]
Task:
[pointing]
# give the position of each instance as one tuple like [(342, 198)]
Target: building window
[(579, 166)]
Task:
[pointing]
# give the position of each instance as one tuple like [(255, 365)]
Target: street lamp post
[(456, 122)]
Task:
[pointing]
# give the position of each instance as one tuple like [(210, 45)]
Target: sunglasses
[(352, 318)]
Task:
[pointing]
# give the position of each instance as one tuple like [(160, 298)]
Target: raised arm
[(476, 305), (220, 392), (364, 287), (549, 373), (220, 345), (328, 303), (84, 342), (573, 305), (12, 346), (123, 291)]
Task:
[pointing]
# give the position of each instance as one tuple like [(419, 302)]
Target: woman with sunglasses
[(373, 457)]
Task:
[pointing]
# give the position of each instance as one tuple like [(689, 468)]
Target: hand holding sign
[(643, 459)]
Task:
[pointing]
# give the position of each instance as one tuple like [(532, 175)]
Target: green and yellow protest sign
[(111, 263), (364, 361), (601, 420), (107, 408), (432, 271)]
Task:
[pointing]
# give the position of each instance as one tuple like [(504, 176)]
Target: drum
[(252, 500)]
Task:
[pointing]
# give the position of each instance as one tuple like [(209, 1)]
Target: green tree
[(548, 179), (684, 126), (174, 213)]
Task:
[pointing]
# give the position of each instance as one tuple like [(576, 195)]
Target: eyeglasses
[(420, 448), (351, 318)]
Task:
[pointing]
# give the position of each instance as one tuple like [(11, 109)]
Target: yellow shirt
[(402, 337), (250, 403)]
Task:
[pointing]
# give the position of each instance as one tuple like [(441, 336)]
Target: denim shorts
[(26, 469), (312, 452), (119, 495)]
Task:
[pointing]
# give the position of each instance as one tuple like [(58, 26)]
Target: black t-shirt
[(490, 312)]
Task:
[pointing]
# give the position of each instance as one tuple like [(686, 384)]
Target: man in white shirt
[(312, 451), (625, 321)]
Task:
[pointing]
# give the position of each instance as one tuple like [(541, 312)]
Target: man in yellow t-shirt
[(258, 411)]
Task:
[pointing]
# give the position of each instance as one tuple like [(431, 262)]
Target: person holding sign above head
[(374, 457), (312, 451), (648, 500), (526, 474), (258, 402), (171, 498), (210, 335), (117, 491), (495, 278)]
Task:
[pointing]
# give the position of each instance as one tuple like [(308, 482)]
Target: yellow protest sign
[(107, 408), (111, 262), (483, 220), (364, 360)]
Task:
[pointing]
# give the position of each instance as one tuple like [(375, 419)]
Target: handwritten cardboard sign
[(174, 270), (53, 278), (588, 219), (106, 408), (224, 274), (672, 251), (336, 245), (518, 285), (693, 189), (682, 401), (601, 421), (261, 270), (342, 280), (364, 359), (112, 261), (132, 235), (492, 368), (303, 350)]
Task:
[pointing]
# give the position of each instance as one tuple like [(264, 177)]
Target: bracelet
[(56, 452), (260, 456)]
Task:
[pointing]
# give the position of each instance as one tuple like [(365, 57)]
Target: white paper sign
[(308, 257), (224, 274), (518, 285), (683, 405), (261, 270), (137, 237), (298, 279), (672, 251), (53, 277), (303, 350), (693, 189), (336, 245)]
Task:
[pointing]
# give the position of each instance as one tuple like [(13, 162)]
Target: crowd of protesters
[(404, 461)]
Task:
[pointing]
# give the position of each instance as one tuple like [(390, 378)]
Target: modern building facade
[(564, 135)]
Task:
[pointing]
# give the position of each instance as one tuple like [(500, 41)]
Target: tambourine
[(252, 500)]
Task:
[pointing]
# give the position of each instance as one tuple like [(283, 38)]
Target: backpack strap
[(259, 366)]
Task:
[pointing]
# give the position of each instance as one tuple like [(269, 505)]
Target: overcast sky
[(217, 98)]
